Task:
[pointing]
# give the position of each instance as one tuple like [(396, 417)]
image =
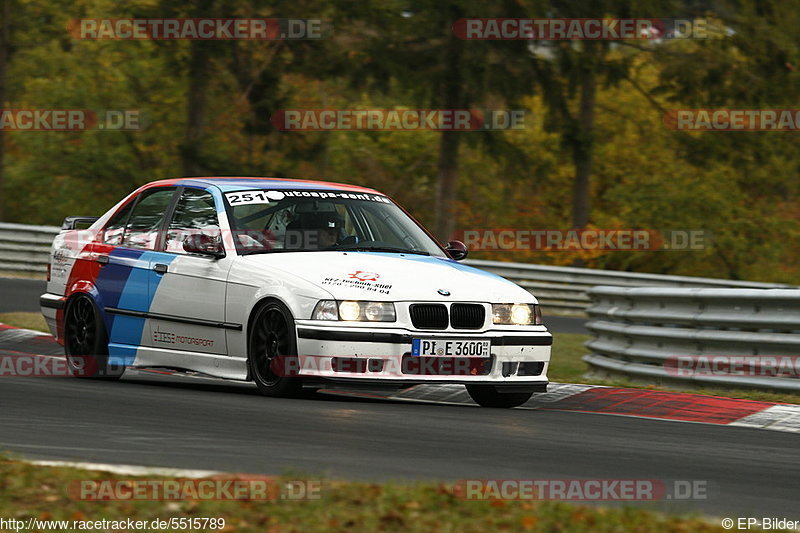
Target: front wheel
[(488, 396), (272, 353), (86, 341)]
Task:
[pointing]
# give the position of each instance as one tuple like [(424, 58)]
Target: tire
[(272, 351), (487, 396), (86, 341)]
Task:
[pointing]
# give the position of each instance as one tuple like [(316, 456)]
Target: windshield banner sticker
[(253, 197), (267, 197)]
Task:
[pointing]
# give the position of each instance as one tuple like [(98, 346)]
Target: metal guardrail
[(25, 248), (564, 289), (560, 289), (641, 332)]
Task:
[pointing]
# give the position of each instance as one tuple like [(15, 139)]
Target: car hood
[(393, 277)]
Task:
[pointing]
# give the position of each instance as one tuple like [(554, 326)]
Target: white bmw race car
[(291, 284)]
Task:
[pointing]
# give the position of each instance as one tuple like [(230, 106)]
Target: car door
[(124, 283), (188, 298)]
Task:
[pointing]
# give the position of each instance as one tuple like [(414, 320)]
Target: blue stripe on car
[(234, 185), (112, 279), (137, 294)]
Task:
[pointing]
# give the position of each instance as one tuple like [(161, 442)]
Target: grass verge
[(22, 275), (567, 367), (33, 321), (30, 491)]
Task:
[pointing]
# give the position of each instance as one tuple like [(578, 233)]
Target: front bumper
[(518, 359)]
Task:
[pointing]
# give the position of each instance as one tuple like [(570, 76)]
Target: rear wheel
[(488, 396), (272, 354), (86, 341)]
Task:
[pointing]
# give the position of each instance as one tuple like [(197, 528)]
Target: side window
[(194, 214), (146, 217), (116, 225)]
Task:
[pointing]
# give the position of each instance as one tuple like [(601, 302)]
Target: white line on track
[(131, 470)]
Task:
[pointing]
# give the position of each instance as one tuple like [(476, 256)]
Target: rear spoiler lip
[(71, 222)]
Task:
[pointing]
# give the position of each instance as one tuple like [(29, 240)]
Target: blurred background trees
[(594, 151)]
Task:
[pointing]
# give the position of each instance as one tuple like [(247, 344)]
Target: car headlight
[(349, 310), (516, 314), (354, 311), (325, 310)]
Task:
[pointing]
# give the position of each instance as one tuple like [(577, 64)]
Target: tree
[(417, 48), (751, 61), (5, 52), (569, 74)]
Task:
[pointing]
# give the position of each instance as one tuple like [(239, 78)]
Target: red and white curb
[(641, 403), (781, 417), (27, 341)]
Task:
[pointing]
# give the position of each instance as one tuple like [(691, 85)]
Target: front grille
[(467, 316), (429, 316)]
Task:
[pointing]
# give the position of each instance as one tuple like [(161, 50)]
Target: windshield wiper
[(272, 251), (388, 249)]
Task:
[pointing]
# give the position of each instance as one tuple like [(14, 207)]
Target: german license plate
[(450, 348)]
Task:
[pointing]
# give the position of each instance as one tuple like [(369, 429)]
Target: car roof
[(233, 183)]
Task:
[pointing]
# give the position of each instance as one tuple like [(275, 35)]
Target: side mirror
[(203, 245), (73, 222), (457, 250)]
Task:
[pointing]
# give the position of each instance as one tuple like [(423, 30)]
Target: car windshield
[(266, 221)]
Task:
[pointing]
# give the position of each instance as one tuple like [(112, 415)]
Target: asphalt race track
[(208, 424), (192, 422), (20, 294)]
